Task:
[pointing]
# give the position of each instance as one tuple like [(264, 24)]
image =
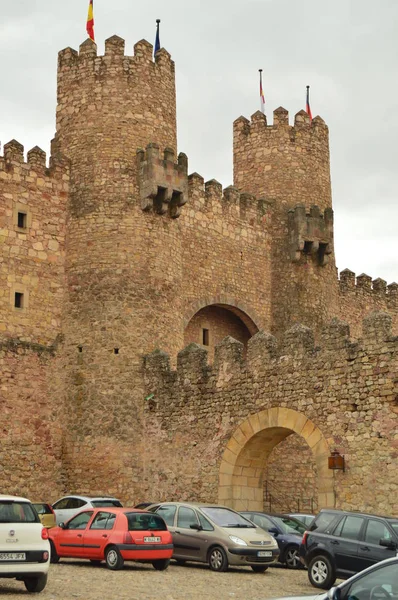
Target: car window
[(323, 521), (224, 517), (80, 521), (104, 503), (375, 531), (42, 509), (262, 522), (74, 503), (206, 525), (103, 520), (289, 525), (17, 512), (369, 585), (145, 522), (349, 528), (61, 504), (167, 513), (394, 525), (186, 517)]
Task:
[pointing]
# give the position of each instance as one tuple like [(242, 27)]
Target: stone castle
[(163, 338)]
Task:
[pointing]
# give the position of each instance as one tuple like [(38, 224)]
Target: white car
[(68, 506), (24, 545)]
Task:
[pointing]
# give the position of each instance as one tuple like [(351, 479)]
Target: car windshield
[(145, 522), (224, 517), (290, 525), (106, 502), (17, 512)]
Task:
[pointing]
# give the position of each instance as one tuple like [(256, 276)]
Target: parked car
[(216, 535), (24, 545), (46, 514), (113, 534), (143, 505), (67, 506), (378, 582), (303, 517), (341, 543), (287, 531)]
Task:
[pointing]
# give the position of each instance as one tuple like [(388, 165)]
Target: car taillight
[(44, 533), (127, 538), (305, 536)]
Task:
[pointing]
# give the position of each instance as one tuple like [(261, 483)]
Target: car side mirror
[(390, 544), (273, 531), (196, 526), (62, 525), (334, 593)]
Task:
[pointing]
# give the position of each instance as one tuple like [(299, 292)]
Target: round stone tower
[(116, 122), (289, 166)]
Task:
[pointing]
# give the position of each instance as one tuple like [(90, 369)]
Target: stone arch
[(246, 454), (247, 314)]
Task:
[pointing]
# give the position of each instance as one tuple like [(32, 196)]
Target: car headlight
[(237, 540)]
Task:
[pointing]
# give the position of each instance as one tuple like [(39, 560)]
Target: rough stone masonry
[(113, 255)]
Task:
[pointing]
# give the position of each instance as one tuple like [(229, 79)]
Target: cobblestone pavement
[(79, 579)]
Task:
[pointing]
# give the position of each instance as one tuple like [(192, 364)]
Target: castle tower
[(116, 122), (289, 166)]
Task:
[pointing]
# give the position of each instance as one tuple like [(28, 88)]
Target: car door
[(70, 541), (370, 551), (168, 513), (188, 542), (96, 534), (345, 543)]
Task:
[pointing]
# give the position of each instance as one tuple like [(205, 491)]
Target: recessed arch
[(247, 314), (245, 457)]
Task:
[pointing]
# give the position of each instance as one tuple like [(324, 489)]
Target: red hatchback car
[(114, 535)]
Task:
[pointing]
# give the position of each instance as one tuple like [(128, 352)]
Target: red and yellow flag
[(90, 21)]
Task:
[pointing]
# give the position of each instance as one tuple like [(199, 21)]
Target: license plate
[(12, 556), (151, 540), (264, 553)]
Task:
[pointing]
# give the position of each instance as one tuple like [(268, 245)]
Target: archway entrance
[(212, 323), (244, 461)]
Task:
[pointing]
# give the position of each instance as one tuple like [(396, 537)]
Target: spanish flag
[(90, 21)]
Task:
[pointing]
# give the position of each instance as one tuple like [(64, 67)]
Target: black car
[(341, 543), (287, 531)]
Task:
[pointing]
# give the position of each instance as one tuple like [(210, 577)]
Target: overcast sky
[(347, 50)]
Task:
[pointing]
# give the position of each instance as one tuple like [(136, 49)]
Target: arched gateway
[(245, 457)]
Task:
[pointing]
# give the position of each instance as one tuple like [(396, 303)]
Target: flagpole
[(157, 39), (261, 91)]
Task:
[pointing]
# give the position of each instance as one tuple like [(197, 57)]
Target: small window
[(351, 528), (376, 531), (116, 350), (206, 525), (205, 337), (18, 300), (21, 220), (103, 520)]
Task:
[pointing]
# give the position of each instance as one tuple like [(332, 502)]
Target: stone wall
[(32, 240), (205, 424), (31, 422)]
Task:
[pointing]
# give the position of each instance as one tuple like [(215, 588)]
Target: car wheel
[(321, 573), (218, 559), (95, 562), (113, 558), (36, 584), (54, 558), (161, 564), (259, 568), (291, 558)]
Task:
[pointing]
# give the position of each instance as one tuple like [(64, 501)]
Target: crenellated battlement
[(280, 128), (13, 161), (363, 284), (114, 62), (210, 196), (163, 182), (265, 352)]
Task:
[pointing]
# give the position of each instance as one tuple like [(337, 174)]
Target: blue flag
[(157, 40)]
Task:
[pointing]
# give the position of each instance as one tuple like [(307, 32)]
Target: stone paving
[(72, 579)]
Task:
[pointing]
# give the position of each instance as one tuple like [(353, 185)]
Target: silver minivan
[(216, 535)]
